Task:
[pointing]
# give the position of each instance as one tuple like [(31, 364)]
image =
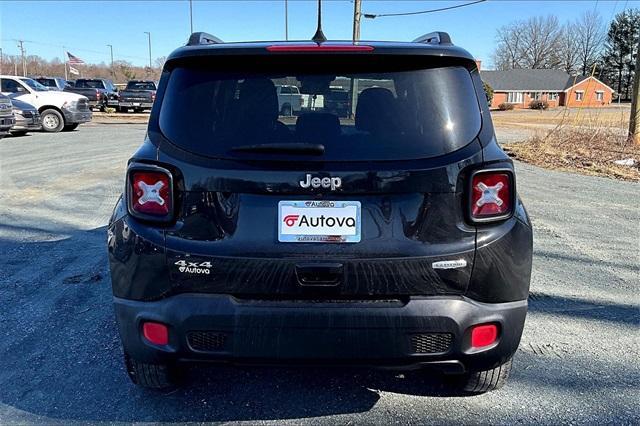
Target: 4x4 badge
[(194, 267)]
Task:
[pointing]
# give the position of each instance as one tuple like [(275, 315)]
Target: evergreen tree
[(621, 50)]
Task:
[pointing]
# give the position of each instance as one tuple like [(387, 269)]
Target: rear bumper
[(371, 333), (135, 104)]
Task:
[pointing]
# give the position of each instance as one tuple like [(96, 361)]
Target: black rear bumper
[(371, 333)]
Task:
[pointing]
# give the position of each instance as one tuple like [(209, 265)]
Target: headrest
[(377, 110), (316, 127), (258, 100)]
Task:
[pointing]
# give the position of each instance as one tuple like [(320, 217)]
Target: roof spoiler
[(436, 37), (202, 38)]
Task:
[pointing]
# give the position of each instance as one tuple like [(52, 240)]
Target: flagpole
[(64, 57)]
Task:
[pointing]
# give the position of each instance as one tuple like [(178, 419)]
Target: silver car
[(27, 118)]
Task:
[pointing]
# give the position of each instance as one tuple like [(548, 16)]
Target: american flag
[(74, 60)]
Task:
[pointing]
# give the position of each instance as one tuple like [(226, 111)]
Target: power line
[(75, 49), (421, 12)]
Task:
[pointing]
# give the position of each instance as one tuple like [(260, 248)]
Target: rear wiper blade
[(284, 148)]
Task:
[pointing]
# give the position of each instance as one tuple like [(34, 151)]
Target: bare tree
[(534, 43), (507, 55), (159, 62), (590, 37), (569, 48)]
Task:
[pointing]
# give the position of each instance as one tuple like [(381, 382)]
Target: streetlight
[(191, 15), (149, 35), (112, 73)]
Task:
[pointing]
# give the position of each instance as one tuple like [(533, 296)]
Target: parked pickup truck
[(58, 110), (100, 92), (53, 83), (138, 95), (289, 99)]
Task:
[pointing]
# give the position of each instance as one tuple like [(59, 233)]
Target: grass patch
[(587, 150)]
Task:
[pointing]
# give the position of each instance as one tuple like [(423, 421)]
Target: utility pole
[(64, 59), (149, 34), (113, 75), (634, 119), (191, 15), (353, 91), (357, 14), (24, 62), (286, 20), (1, 60)]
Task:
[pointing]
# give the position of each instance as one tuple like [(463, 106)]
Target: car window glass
[(356, 116)]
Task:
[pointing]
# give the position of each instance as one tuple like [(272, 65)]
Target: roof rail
[(436, 37), (202, 38)]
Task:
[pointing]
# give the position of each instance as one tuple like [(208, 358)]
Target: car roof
[(447, 50)]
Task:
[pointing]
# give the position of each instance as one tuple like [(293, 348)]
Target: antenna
[(319, 36)]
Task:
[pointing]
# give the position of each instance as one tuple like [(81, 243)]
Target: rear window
[(140, 85), (379, 113), (89, 84)]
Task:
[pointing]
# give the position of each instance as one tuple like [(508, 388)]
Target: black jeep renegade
[(390, 234)]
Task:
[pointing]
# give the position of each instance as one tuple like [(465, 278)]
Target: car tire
[(123, 110), (52, 121), (285, 110), (19, 133), (477, 382), (70, 127), (152, 376)]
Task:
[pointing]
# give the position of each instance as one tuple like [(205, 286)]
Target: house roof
[(531, 80)]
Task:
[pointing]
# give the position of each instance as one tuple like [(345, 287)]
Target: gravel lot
[(61, 358)]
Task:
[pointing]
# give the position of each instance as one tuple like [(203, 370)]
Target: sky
[(85, 28)]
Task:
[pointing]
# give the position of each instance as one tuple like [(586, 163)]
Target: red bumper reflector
[(156, 333), (484, 335), (319, 48)]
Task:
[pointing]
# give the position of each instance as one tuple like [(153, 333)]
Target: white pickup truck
[(58, 110), (291, 101)]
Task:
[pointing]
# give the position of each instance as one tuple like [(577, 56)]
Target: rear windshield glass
[(89, 84), (356, 116), (140, 85)]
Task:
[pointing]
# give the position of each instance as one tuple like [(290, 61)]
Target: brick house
[(519, 87)]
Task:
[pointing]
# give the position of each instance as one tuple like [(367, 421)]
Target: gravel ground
[(61, 358)]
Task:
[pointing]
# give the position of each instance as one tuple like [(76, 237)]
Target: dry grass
[(590, 150), (610, 116)]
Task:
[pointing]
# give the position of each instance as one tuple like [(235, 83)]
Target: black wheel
[(485, 381), (285, 110), (70, 127), (52, 121), (152, 376), (123, 109), (103, 108), (19, 133)]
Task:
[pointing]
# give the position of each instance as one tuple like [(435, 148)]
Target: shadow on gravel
[(586, 261), (61, 358), (584, 308)]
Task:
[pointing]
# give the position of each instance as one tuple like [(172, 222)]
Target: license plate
[(319, 221), (136, 104)]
